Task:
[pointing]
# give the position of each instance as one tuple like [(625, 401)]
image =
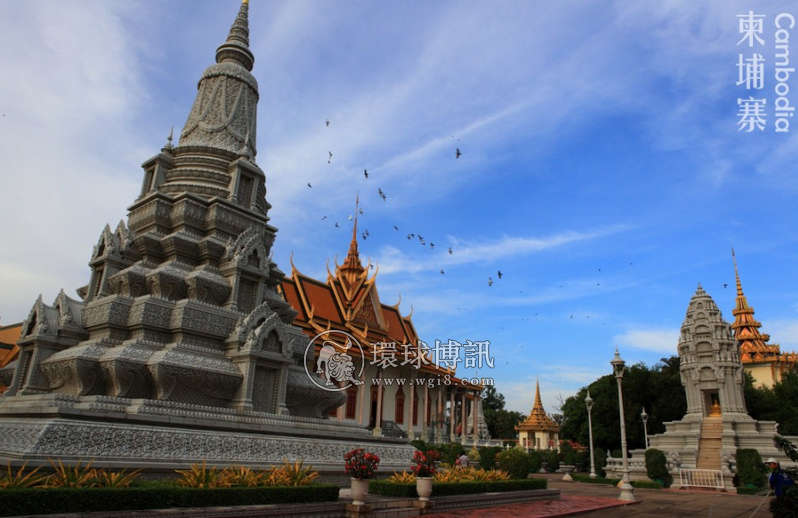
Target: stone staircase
[(709, 443)]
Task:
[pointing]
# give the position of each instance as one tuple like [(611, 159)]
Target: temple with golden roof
[(764, 361), (413, 399), (538, 431)]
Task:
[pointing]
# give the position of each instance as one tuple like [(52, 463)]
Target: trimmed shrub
[(515, 462), (420, 445), (599, 480), (639, 484), (553, 459), (750, 468), (535, 461), (473, 456), (645, 484), (487, 456), (582, 459), (600, 461), (656, 465)]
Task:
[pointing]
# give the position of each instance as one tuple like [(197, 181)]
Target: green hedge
[(656, 465), (515, 462), (383, 487), (598, 480), (15, 502), (750, 468), (640, 484), (750, 490)]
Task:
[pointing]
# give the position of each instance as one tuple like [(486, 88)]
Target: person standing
[(462, 460), (778, 480)]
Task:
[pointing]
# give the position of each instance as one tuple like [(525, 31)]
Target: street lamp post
[(627, 491), (644, 417), (589, 405)]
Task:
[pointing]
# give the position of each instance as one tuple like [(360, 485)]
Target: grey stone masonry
[(181, 324)]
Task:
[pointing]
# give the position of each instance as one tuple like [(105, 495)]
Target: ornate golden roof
[(537, 419), (753, 344)]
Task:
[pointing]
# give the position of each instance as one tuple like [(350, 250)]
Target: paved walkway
[(601, 501)]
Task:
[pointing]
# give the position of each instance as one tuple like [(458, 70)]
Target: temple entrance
[(711, 402)]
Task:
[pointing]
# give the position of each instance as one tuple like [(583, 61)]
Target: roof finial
[(352, 260), (737, 275), (236, 48)]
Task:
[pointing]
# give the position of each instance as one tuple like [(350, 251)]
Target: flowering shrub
[(424, 463), (360, 464)]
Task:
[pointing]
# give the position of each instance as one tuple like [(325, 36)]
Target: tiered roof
[(349, 302), (754, 346), (538, 420)]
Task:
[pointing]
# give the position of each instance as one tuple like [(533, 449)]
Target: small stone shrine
[(716, 423), (180, 347)]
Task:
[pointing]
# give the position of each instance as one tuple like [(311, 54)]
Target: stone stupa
[(716, 423), (180, 347)]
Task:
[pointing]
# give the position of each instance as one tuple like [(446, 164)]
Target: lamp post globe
[(644, 417), (627, 491), (589, 405)]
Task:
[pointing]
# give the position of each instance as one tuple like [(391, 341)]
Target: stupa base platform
[(159, 436)]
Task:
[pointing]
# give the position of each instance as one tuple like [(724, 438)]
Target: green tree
[(658, 389), (501, 422)]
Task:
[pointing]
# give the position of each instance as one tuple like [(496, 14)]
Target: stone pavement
[(600, 501)]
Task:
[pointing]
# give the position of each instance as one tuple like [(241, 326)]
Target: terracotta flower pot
[(424, 488), (360, 490)]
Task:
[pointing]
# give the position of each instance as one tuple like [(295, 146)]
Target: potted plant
[(424, 467), (360, 465)]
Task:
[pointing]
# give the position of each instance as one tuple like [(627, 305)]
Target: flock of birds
[(410, 237)]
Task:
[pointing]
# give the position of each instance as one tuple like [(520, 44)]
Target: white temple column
[(463, 417), (411, 433), (378, 419), (452, 416)]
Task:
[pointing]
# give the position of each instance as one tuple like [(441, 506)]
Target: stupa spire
[(538, 401), (352, 261), (224, 113), (753, 344), (236, 48)]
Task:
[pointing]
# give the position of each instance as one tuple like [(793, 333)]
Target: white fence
[(712, 478)]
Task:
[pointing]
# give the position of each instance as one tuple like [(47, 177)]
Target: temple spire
[(236, 48), (737, 275), (752, 343), (538, 401), (352, 261)]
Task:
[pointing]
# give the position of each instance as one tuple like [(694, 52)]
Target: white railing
[(701, 478)]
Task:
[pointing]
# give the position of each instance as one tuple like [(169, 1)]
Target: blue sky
[(602, 169)]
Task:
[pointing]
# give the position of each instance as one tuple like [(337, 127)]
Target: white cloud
[(392, 260), (661, 340)]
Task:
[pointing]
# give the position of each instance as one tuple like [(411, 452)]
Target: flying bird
[(328, 123), (395, 227), (382, 194), (458, 153), (725, 285), (310, 185), (442, 271), (431, 245), (500, 275), (365, 173), (450, 250), (409, 237), (323, 218), (420, 238), (490, 281), (336, 225)]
